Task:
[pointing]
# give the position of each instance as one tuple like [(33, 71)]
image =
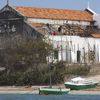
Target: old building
[(14, 23), (74, 33)]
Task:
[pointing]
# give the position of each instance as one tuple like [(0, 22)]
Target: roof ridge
[(48, 8), (50, 13)]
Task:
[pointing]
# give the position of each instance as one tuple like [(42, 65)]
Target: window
[(55, 54)]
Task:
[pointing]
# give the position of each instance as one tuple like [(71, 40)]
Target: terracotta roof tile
[(46, 13), (38, 25), (96, 35)]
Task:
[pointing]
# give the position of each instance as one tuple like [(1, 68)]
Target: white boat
[(79, 83)]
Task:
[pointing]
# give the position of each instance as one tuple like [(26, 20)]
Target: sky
[(59, 4)]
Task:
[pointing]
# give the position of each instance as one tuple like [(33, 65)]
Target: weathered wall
[(60, 22), (96, 17), (71, 44)]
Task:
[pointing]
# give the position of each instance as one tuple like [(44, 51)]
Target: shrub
[(77, 69)]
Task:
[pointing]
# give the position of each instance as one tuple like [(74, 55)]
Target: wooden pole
[(66, 54), (49, 66), (61, 49), (70, 56), (50, 76), (84, 54)]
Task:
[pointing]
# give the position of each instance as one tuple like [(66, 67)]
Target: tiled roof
[(74, 30), (37, 25), (47, 13), (40, 27), (96, 35)]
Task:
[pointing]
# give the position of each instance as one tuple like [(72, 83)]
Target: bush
[(33, 76), (77, 69), (41, 75), (58, 73)]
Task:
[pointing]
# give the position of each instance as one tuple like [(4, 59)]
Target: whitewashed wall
[(75, 43), (96, 17), (60, 22)]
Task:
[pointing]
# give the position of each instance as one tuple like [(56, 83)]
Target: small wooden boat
[(53, 91), (80, 83)]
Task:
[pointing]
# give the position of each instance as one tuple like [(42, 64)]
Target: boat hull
[(51, 91), (80, 87)]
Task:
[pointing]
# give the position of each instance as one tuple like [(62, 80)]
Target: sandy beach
[(19, 90), (35, 90)]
